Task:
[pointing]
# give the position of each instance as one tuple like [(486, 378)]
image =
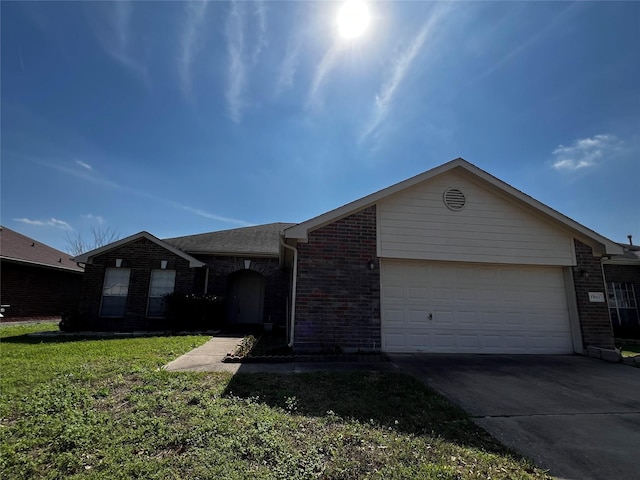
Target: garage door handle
[(430, 317)]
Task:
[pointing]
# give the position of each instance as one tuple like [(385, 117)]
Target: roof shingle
[(17, 247), (257, 240)]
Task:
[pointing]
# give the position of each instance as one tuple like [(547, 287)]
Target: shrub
[(72, 321), (195, 311)]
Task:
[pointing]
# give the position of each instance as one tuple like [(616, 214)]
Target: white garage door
[(470, 308)]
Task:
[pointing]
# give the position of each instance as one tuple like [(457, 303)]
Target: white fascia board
[(88, 256), (583, 233), (301, 231)]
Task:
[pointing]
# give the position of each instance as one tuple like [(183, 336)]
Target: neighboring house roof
[(631, 256), (261, 240), (18, 248), (300, 231), (88, 256)]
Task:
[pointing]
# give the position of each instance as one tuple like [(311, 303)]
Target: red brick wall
[(338, 296), (276, 281), (594, 316), (36, 291), (141, 257)]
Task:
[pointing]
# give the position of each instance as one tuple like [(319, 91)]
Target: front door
[(245, 297)]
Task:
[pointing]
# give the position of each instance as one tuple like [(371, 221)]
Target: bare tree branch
[(77, 244)]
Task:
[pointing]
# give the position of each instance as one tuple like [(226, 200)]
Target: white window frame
[(621, 296), (122, 290), (156, 292)]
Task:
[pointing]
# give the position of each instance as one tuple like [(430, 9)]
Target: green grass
[(102, 409), (630, 350)]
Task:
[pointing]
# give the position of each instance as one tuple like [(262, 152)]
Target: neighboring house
[(452, 260), (622, 276), (36, 280)]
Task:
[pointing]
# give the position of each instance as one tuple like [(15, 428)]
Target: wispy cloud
[(84, 165), (540, 34), (384, 99), (52, 222), (94, 218), (103, 181), (585, 152), (212, 216), (112, 27), (325, 66), (289, 66), (260, 12), (195, 15), (237, 68)]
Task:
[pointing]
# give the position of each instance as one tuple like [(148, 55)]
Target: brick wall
[(141, 257), (276, 281), (338, 296), (625, 274), (594, 316), (37, 291)]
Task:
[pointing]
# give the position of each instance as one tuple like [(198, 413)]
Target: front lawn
[(104, 409)]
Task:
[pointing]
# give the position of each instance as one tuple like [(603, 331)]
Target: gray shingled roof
[(16, 247), (258, 240)]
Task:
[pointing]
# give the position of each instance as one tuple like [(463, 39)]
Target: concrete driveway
[(576, 416)]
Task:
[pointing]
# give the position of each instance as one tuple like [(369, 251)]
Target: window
[(114, 292), (622, 304), (162, 283)]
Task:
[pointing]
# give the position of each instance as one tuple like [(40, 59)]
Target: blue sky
[(180, 118)]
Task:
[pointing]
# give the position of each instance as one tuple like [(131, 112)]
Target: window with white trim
[(622, 304), (114, 292), (162, 283)]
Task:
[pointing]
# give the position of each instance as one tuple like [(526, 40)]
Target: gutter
[(294, 289)]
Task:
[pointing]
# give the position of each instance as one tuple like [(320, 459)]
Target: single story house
[(36, 280), (451, 260)]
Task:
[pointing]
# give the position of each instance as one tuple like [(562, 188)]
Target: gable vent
[(454, 199)]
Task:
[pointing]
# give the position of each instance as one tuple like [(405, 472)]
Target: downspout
[(206, 279), (294, 288)]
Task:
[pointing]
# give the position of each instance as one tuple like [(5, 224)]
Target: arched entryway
[(245, 297)]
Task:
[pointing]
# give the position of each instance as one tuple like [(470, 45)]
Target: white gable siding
[(416, 224)]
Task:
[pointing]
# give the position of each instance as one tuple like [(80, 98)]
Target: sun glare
[(353, 18)]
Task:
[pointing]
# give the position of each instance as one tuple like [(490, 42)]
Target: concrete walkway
[(208, 358)]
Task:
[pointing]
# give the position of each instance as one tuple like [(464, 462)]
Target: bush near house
[(195, 311)]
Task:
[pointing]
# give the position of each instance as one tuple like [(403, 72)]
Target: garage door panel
[(474, 308), (391, 293), (467, 319), (394, 317)]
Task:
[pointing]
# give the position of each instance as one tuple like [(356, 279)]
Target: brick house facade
[(140, 257), (221, 268), (594, 316), (36, 280), (36, 291), (338, 294), (215, 274), (326, 280)]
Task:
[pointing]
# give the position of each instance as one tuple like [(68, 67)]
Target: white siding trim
[(574, 316), (416, 224), (598, 242)]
